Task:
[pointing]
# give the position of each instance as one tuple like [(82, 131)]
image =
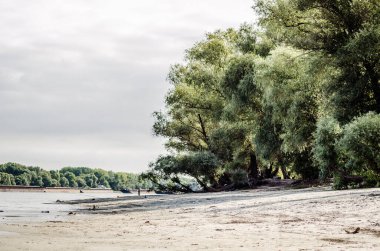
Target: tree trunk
[(281, 163), (203, 185), (253, 170), (274, 172), (375, 85), (205, 137)]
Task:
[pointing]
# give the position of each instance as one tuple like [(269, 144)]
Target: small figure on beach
[(138, 191)]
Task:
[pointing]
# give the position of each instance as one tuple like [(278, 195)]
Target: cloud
[(80, 79)]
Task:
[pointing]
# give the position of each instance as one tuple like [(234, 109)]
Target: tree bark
[(274, 172), (200, 182), (253, 170), (375, 85), (206, 139), (281, 163)]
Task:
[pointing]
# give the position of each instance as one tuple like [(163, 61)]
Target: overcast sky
[(79, 79)]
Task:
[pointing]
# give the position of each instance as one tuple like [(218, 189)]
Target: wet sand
[(263, 219)]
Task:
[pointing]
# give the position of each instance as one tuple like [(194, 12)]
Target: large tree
[(201, 114), (346, 33)]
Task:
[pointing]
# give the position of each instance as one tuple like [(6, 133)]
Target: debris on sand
[(373, 194), (93, 208), (352, 232)]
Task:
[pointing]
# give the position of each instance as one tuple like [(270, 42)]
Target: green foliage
[(103, 181), (371, 179), (69, 177), (288, 95), (339, 182), (77, 171), (81, 182), (7, 179), (64, 182), (13, 168), (360, 143), (239, 177), (38, 182), (54, 174), (239, 82), (303, 166), (347, 33), (324, 153), (23, 179), (202, 166), (46, 179)]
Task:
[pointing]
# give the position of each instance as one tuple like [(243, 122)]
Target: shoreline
[(302, 219), (53, 189)]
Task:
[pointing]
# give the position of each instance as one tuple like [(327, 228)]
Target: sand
[(261, 219)]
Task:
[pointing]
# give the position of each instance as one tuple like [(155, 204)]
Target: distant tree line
[(81, 177), (295, 95)]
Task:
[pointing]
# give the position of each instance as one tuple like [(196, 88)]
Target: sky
[(80, 79)]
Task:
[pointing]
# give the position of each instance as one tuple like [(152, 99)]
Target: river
[(37, 206)]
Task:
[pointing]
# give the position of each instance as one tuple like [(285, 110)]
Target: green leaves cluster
[(299, 93)]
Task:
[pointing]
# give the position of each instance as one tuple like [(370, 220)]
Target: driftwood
[(221, 189), (352, 232), (353, 179)]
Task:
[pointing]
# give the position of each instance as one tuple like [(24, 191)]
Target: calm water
[(28, 206)]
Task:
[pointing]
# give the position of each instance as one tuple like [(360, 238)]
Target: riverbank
[(37, 189), (262, 219)]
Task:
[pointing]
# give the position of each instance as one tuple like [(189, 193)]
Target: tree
[(91, 180), (23, 179), (13, 168), (71, 178), (64, 182), (103, 180), (290, 109), (55, 174), (46, 179), (202, 110), (7, 179), (344, 32), (81, 182), (243, 111)]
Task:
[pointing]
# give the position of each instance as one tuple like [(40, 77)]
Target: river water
[(33, 206)]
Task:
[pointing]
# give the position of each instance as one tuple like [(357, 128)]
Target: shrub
[(239, 178), (303, 165), (360, 144)]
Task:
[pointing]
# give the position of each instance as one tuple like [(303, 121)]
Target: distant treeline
[(83, 177)]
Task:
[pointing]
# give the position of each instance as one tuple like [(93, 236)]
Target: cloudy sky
[(80, 79)]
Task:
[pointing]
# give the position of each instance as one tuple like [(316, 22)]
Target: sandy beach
[(261, 219)]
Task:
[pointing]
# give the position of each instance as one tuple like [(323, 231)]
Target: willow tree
[(346, 34), (343, 37), (292, 102), (198, 108)]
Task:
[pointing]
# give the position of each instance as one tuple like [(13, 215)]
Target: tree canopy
[(295, 95)]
